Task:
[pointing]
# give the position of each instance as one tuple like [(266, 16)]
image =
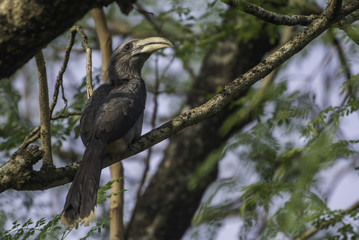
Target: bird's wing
[(113, 110)]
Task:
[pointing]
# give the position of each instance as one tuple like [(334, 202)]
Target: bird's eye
[(128, 46)]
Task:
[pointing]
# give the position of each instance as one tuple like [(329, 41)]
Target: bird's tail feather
[(81, 198)]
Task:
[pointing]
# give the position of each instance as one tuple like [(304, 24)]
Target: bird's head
[(127, 60)]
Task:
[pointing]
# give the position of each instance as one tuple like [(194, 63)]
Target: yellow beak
[(151, 44)]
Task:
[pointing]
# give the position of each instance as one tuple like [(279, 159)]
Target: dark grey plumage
[(114, 112)]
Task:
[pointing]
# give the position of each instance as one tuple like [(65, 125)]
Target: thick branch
[(56, 177), (21, 162), (26, 27)]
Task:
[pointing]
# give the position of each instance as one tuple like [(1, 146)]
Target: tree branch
[(65, 115), (104, 38), (116, 170), (59, 79), (332, 9), (45, 131), (26, 28), (35, 133), (44, 180), (310, 232), (271, 17), (30, 138), (85, 45), (290, 20)]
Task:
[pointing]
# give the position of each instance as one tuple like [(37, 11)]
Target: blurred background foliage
[(278, 174)]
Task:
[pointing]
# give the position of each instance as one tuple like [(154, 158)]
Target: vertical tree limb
[(104, 38), (85, 45), (89, 72), (45, 131), (116, 202), (116, 170)]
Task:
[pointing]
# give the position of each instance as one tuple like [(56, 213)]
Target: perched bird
[(113, 114)]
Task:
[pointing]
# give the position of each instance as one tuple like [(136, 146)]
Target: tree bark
[(167, 206), (26, 26)]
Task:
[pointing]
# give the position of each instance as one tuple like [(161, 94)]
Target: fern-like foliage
[(286, 199)]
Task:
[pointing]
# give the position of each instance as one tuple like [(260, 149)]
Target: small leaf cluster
[(30, 230), (102, 192), (13, 126)]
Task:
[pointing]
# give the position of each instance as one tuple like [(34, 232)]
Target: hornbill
[(112, 116)]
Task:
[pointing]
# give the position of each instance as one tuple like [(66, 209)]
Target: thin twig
[(65, 115), (155, 95), (349, 94), (260, 93), (85, 45), (45, 132), (290, 20), (30, 138), (310, 232), (149, 18), (345, 66), (59, 79), (189, 69), (89, 72), (35, 133), (271, 17), (164, 71), (342, 58), (160, 31)]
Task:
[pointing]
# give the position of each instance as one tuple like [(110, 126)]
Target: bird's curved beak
[(152, 44)]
